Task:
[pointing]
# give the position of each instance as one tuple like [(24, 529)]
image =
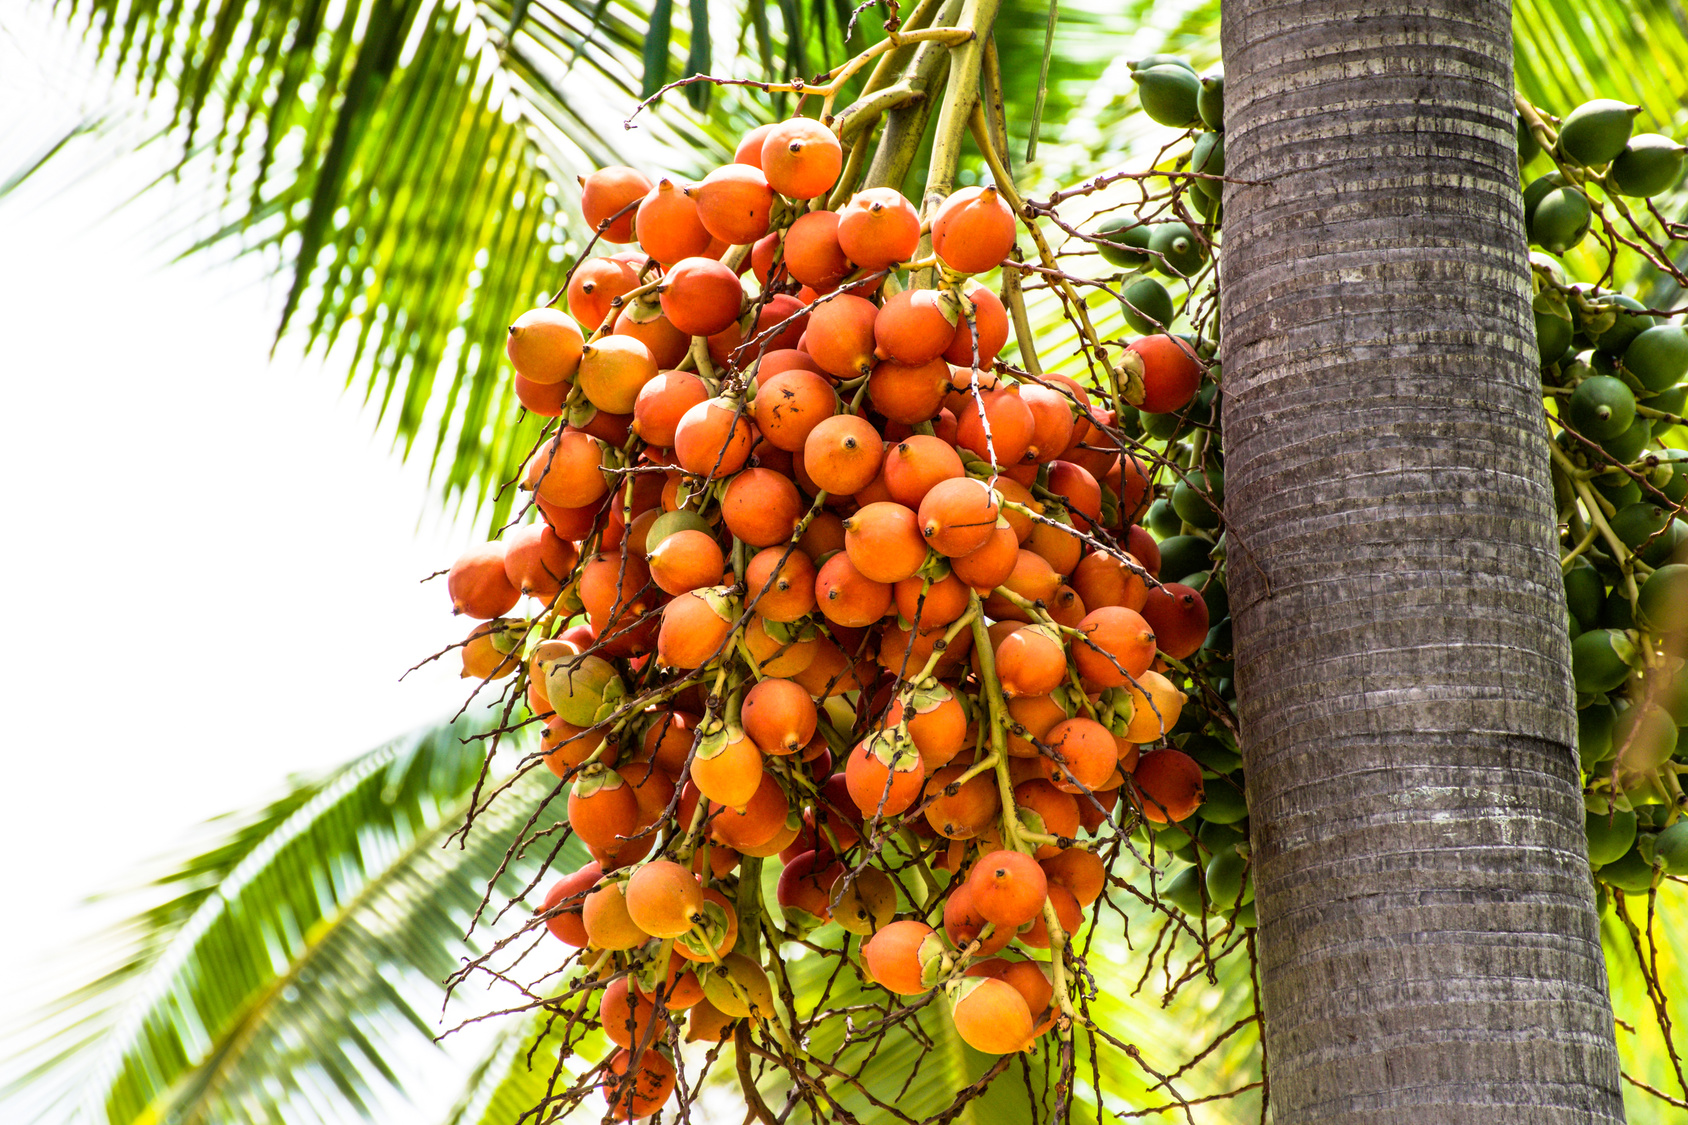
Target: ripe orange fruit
[(686, 560), (843, 454), (992, 564), (613, 370), (878, 227), (989, 323), (1171, 373), (840, 335), (779, 716), (733, 203), (566, 896), (544, 346), (963, 922), (761, 507), (1119, 646), (662, 402), (884, 542), (1168, 784), (884, 777), (763, 815), (480, 585), (638, 1087), (1030, 661), (812, 253), (568, 470), (960, 816), (714, 438), (694, 630), (700, 296), (1102, 579), (537, 560), (664, 899), (908, 393), (668, 225), (1009, 421), (790, 404), (917, 463), (1083, 749), (846, 596), (1067, 912), (801, 158), (1157, 706), (991, 1016), (892, 955), (913, 328), (1007, 888), (732, 776), (1178, 615), (1079, 870), (606, 192), (973, 230), (667, 343), (608, 924), (602, 807), (780, 585), (595, 284), (958, 516)]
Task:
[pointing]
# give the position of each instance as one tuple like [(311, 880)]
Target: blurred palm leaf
[(293, 957)]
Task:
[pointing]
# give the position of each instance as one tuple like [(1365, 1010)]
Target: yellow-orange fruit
[(801, 158), (546, 399), (1102, 579), (1081, 871), (843, 454), (1032, 578), (1178, 616), (628, 1016), (1083, 749), (913, 326), (1157, 705), (700, 296), (989, 322), (679, 989), (908, 393), (613, 370), (917, 463), (606, 192), (544, 346), (567, 746), (1009, 421), (812, 253), (608, 924), (662, 402), (846, 596), (931, 605), (482, 658), (1052, 429), (779, 716), (790, 404), (668, 225), (1030, 662), (537, 560), (568, 470), (693, 630), (686, 560), (664, 899), (884, 777), (824, 535), (566, 897), (611, 589), (749, 150), (596, 283), (780, 585), (733, 203), (668, 740), (1171, 373), (732, 776), (957, 516), (1066, 608), (1118, 646), (667, 344), (960, 815), (1055, 543), (761, 507), (1067, 912), (638, 1087), (892, 955), (785, 359), (479, 584), (1008, 888), (991, 1016), (714, 438), (940, 731), (1168, 784), (963, 922), (1035, 716), (840, 335), (991, 565), (780, 323), (973, 230), (772, 656), (831, 672), (762, 816), (602, 807), (878, 227), (884, 542)]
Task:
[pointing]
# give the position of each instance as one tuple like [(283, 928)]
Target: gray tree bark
[(1429, 947)]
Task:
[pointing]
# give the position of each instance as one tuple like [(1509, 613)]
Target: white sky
[(211, 558)]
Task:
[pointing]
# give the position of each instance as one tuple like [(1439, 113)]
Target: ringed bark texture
[(1430, 950)]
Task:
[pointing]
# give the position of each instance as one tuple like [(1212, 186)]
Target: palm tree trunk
[(1429, 947)]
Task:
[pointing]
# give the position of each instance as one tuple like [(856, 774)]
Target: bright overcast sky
[(211, 557)]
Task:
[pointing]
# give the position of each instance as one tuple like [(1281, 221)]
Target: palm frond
[(289, 960)]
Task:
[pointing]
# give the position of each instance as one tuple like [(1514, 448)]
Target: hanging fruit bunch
[(1613, 370), (822, 583)]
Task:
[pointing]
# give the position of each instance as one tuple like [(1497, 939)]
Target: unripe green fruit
[(1189, 499), (1648, 165), (1561, 220), (1610, 835), (1223, 803), (1181, 253), (1673, 401), (1228, 881), (1168, 93), (1637, 523), (1209, 157), (1128, 230), (1163, 426), (1162, 521), (1215, 837), (1629, 321), (1600, 408), (1628, 445), (1528, 147), (1667, 547), (1664, 599), (1594, 734), (1537, 191), (1671, 477), (1618, 488), (1645, 736), (1658, 357), (1596, 131), (1615, 611), (1584, 592), (1149, 61), (1210, 103), (1553, 336), (1148, 306), (1183, 555), (1670, 849), (1630, 873), (1600, 659), (1184, 890)]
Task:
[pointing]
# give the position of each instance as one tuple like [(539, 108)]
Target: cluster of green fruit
[(1164, 279), (1613, 373)]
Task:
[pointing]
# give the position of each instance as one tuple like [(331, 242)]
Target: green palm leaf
[(293, 957)]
